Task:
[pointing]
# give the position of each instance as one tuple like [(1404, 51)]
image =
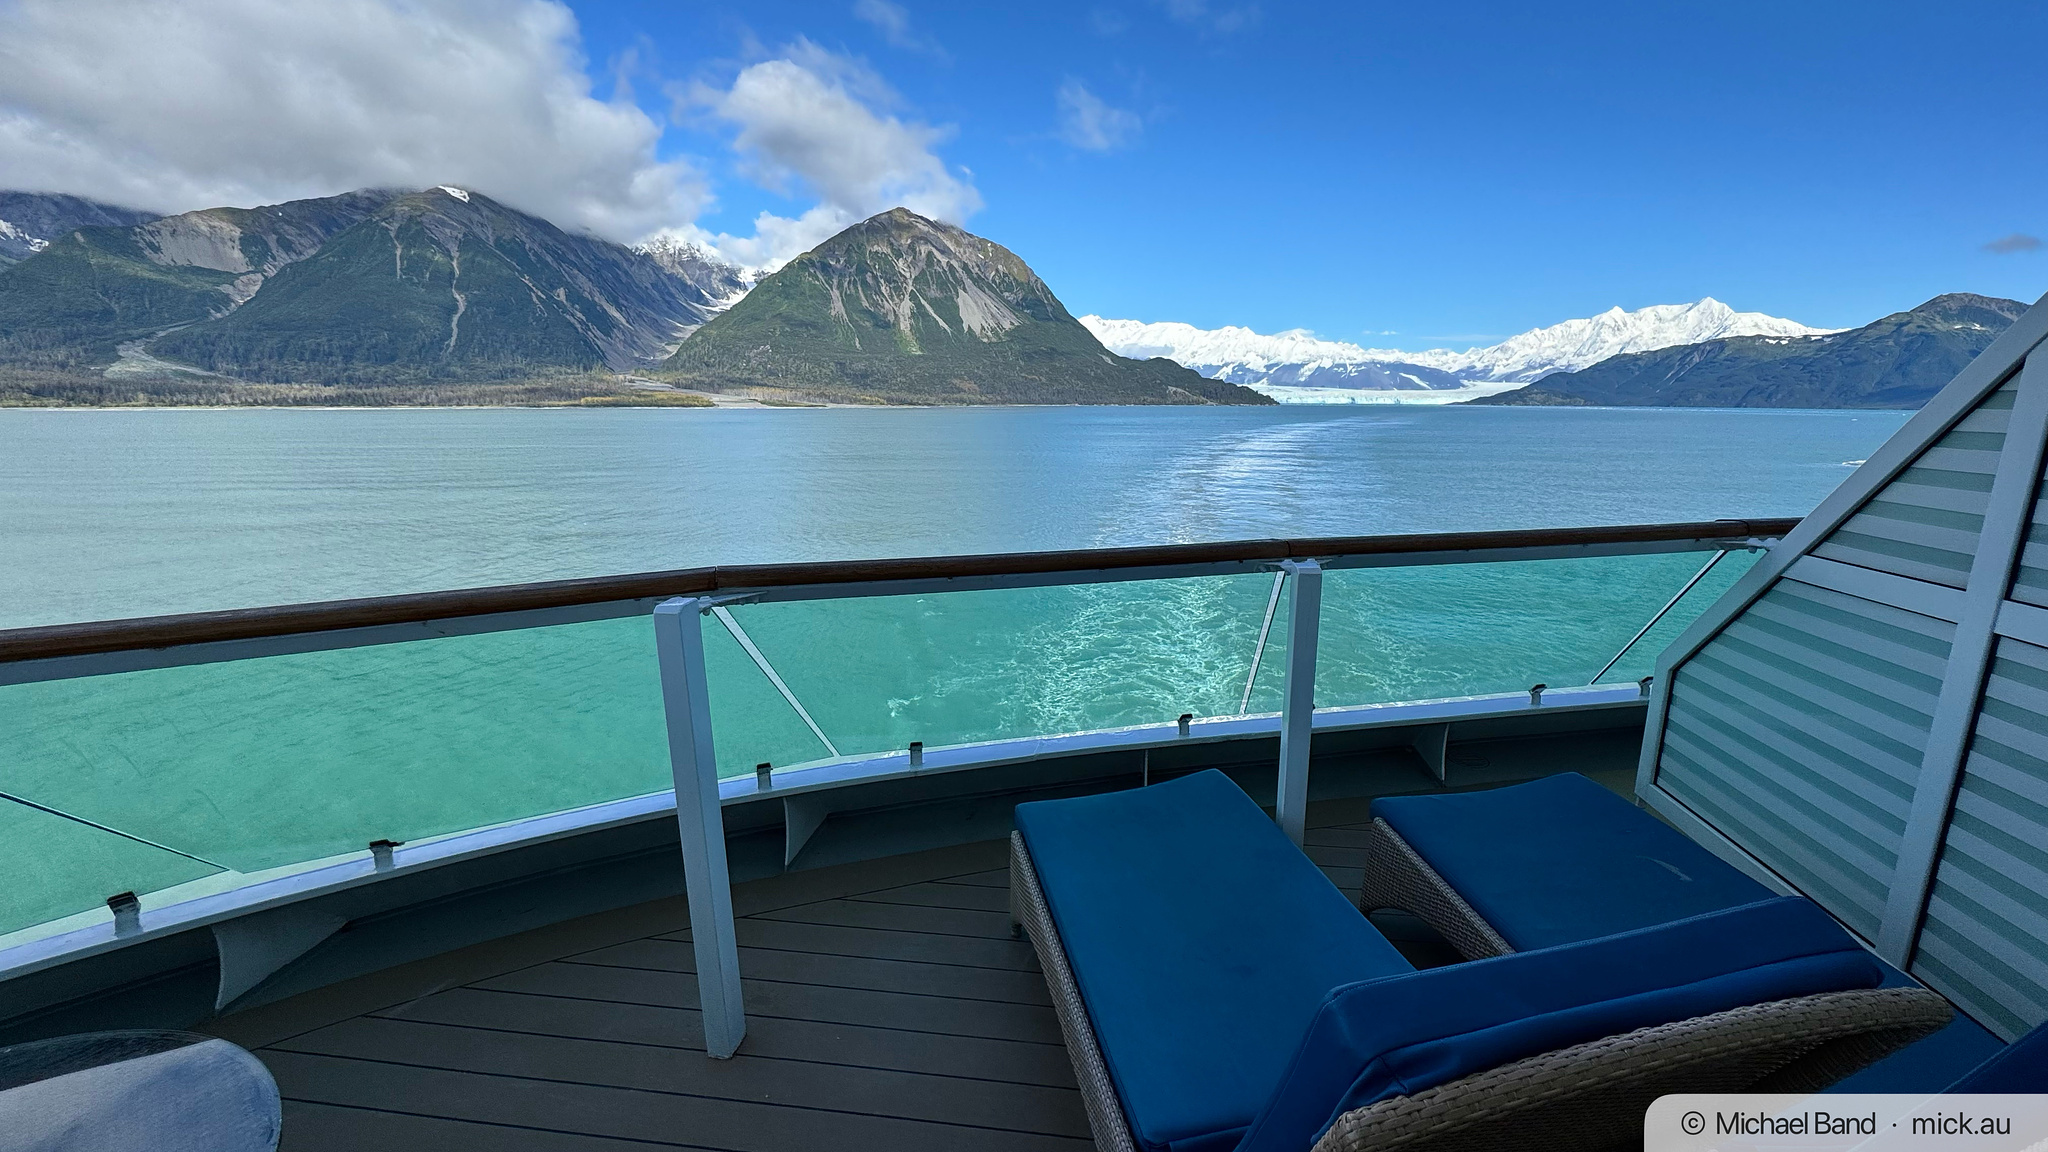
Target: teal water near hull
[(264, 763)]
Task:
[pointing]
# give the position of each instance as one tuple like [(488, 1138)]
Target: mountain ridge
[(30, 221), (1580, 343), (449, 281), (75, 301), (1895, 361), (902, 309), (159, 305), (422, 289), (1297, 359)]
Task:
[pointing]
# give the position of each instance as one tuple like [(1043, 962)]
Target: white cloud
[(1089, 123), (813, 122), (1107, 22), (1211, 18), (180, 104), (893, 22)]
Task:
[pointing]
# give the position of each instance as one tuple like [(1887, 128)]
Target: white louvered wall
[(1988, 914), (2030, 581), (1799, 730), (1925, 523), (1865, 715)]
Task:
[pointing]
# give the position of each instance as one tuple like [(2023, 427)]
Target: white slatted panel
[(1798, 732), (1866, 713), (1984, 943), (1924, 524), (2030, 581)]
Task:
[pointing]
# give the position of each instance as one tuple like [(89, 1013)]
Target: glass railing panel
[(1270, 686), (1421, 633), (1641, 658), (751, 722), (961, 667), (265, 762), (56, 867)]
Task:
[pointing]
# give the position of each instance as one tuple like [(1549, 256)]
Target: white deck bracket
[(1433, 744), (254, 948), (1298, 706), (801, 816), (686, 701)]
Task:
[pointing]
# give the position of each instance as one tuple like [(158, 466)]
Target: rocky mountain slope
[(29, 221), (448, 282), (901, 309), (1280, 364), (1898, 361), (398, 285), (73, 303)]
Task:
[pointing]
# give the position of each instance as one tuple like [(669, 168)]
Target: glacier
[(1297, 367)]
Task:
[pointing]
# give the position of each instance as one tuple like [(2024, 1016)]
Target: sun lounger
[(1562, 859), (1218, 993), (1553, 861)]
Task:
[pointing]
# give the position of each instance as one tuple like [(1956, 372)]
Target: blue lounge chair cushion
[(2022, 1066), (1203, 942), (1399, 1035), (1561, 859)]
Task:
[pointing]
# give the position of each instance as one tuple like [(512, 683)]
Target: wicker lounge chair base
[(1098, 1095), (1396, 876), (1589, 1096), (1592, 1096)]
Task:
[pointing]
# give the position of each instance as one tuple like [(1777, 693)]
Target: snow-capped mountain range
[(1297, 367)]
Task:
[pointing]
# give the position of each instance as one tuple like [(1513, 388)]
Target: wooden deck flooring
[(888, 1008)]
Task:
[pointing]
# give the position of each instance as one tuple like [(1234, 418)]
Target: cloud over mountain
[(176, 105), (194, 103), (815, 122)]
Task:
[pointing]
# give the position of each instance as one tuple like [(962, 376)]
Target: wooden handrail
[(250, 623)]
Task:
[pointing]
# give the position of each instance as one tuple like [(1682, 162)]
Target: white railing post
[(1297, 709), (686, 699)]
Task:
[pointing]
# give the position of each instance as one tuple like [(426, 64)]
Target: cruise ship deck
[(535, 983), (889, 1008)]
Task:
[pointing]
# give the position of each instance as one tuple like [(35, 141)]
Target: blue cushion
[(2021, 1067), (1398, 1035), (1562, 859), (1203, 942)]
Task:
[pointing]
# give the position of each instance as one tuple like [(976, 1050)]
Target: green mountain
[(903, 310), (71, 304), (450, 284), (1895, 362)]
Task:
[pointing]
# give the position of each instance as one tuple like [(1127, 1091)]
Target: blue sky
[(1401, 175), (1448, 172)]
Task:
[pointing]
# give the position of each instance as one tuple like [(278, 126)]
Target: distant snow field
[(1297, 367), (1288, 394)]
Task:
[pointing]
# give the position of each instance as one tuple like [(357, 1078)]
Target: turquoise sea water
[(265, 763)]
